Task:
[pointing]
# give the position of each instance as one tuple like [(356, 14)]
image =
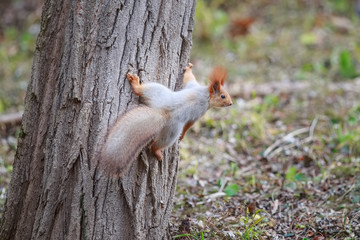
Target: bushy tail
[(130, 134)]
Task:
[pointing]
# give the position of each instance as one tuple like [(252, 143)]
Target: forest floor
[(278, 167), (284, 161)]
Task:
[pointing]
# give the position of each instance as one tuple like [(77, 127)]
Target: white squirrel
[(165, 118)]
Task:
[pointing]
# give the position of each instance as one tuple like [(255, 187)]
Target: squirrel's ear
[(217, 79), (218, 74), (214, 87), (223, 78)]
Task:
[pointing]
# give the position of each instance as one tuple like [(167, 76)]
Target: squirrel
[(166, 117)]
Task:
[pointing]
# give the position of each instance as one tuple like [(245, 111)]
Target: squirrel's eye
[(222, 96)]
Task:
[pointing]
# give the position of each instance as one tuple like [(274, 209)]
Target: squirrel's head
[(219, 97)]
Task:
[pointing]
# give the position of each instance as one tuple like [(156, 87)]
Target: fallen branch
[(11, 118), (288, 141), (286, 138)]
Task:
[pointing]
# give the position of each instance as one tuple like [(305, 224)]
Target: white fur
[(186, 105)]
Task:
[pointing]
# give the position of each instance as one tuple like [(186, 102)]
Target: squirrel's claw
[(135, 84), (133, 78), (189, 66)]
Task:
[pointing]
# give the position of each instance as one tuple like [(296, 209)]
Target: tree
[(78, 89)]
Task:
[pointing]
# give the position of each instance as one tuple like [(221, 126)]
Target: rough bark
[(77, 91)]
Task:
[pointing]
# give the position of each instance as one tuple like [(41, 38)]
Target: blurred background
[(19, 26), (269, 40), (290, 142)]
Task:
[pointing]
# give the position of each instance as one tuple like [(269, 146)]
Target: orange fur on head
[(217, 79), (219, 97)]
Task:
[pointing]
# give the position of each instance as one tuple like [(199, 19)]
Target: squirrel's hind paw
[(156, 151)]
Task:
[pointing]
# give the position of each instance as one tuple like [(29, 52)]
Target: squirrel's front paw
[(189, 66), (135, 84), (133, 79)]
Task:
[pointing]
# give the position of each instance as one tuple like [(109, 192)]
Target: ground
[(283, 162)]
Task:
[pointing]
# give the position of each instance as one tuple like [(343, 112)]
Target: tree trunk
[(77, 91)]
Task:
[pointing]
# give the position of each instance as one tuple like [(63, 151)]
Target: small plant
[(191, 236), (234, 168), (252, 225), (270, 102), (355, 192), (231, 189), (293, 177), (346, 140), (346, 65)]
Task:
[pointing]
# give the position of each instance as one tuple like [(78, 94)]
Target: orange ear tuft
[(217, 79), (218, 75)]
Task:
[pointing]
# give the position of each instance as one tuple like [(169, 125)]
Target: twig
[(289, 146), (214, 195), (276, 148), (313, 126), (220, 193), (286, 138), (223, 185), (346, 193)]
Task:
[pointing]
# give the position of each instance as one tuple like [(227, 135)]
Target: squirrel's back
[(158, 96)]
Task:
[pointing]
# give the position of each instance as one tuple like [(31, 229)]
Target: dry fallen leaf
[(240, 27)]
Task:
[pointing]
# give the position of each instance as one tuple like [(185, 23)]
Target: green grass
[(16, 53)]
